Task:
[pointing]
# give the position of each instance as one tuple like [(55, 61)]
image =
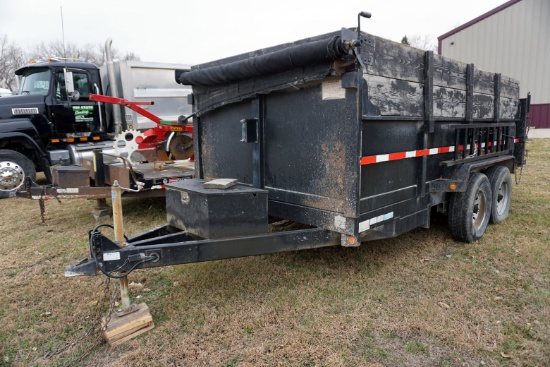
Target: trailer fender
[(455, 178)]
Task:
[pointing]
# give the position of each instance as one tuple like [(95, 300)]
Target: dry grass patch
[(418, 299)]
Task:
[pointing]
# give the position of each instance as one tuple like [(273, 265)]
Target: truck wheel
[(469, 211), (14, 167), (501, 187)]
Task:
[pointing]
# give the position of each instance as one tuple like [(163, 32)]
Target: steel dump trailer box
[(353, 135), (362, 147)]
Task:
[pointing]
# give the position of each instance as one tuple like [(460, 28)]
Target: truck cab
[(51, 120), (46, 115), (70, 114)]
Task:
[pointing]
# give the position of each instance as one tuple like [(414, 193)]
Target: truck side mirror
[(69, 84)]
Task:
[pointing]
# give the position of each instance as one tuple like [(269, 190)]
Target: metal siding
[(541, 114), (545, 57), (513, 42)]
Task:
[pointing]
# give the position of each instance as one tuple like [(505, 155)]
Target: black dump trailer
[(356, 137)]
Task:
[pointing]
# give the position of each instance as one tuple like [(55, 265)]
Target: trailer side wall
[(339, 150)]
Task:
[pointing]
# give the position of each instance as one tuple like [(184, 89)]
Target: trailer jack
[(132, 319), (212, 239)]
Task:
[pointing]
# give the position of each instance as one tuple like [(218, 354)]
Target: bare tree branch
[(13, 57), (425, 42)]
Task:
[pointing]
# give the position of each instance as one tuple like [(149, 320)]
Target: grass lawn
[(421, 299)]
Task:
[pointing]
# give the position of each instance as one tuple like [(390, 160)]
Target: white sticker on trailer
[(340, 222), (366, 224), (333, 90), (111, 256), (70, 190)]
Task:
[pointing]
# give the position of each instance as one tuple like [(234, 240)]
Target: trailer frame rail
[(159, 247)]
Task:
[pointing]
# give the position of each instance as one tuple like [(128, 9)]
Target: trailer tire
[(14, 168), (501, 187), (469, 211)]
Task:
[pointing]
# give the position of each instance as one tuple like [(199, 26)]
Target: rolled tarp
[(287, 58)]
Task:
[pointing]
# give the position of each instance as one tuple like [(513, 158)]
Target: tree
[(11, 58), (425, 42), (94, 53)]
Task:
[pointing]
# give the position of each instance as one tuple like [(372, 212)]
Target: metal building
[(512, 39)]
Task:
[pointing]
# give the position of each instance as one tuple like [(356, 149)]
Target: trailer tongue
[(355, 137)]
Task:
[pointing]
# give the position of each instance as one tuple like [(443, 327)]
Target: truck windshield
[(36, 81)]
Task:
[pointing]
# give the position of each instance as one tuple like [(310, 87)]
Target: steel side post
[(116, 193), (101, 210)]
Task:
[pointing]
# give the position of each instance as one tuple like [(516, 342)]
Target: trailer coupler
[(86, 267)]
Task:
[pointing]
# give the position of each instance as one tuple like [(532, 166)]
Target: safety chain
[(518, 178), (97, 327), (41, 204), (41, 201), (28, 183)]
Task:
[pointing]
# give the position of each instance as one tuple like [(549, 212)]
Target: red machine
[(179, 146)]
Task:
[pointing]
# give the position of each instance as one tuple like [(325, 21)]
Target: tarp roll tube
[(277, 61)]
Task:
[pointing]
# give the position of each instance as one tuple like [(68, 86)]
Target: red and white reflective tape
[(371, 159)]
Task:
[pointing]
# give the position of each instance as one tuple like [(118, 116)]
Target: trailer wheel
[(469, 211), (501, 187), (14, 167)]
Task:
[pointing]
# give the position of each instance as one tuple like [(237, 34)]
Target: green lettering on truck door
[(83, 113)]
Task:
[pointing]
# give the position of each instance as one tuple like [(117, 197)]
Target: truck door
[(78, 117)]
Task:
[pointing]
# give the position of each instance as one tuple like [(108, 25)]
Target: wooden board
[(121, 329), (130, 335), (220, 183)]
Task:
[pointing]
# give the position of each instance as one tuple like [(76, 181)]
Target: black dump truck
[(53, 125), (356, 137)]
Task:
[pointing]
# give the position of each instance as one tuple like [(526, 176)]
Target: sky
[(192, 32)]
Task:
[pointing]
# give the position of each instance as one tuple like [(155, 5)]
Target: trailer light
[(95, 138), (352, 241), (70, 140), (83, 139), (55, 140), (452, 187)]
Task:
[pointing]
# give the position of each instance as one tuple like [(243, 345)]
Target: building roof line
[(478, 19)]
